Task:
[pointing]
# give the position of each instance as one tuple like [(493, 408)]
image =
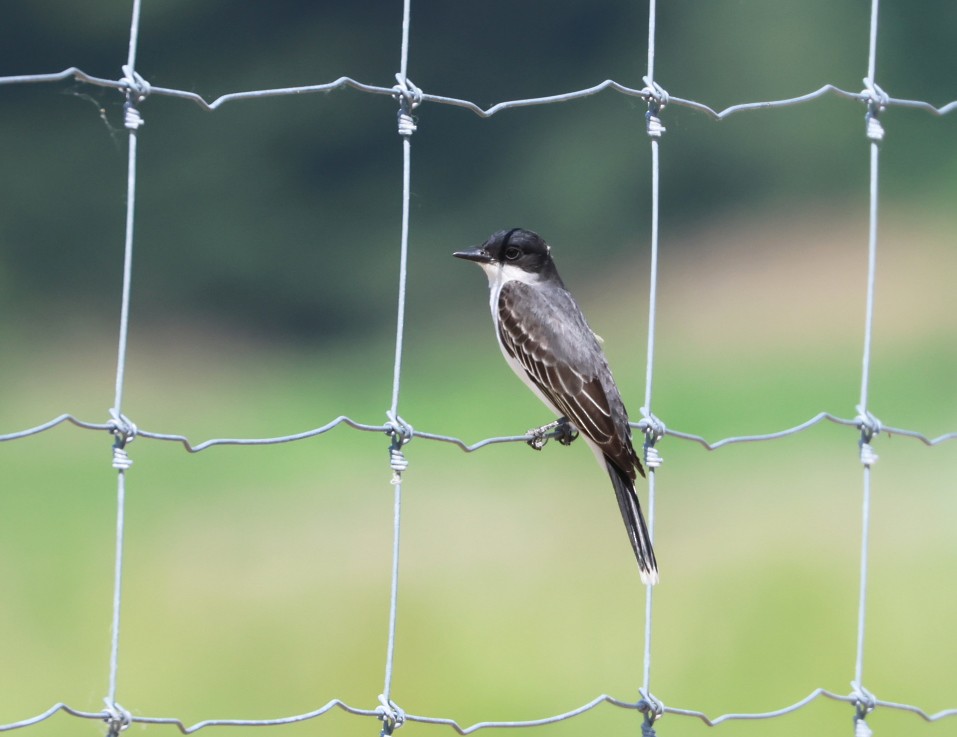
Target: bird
[(547, 342)]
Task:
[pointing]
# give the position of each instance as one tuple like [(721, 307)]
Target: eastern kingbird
[(545, 339)]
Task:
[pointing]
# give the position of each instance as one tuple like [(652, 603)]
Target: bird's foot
[(566, 432), (538, 436), (562, 430)]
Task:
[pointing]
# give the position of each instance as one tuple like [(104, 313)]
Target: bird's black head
[(517, 248)]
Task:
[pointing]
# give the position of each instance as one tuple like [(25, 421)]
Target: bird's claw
[(538, 437), (562, 430)]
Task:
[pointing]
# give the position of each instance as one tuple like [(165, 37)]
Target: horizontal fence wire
[(641, 426), (644, 93), (816, 694), (135, 89)]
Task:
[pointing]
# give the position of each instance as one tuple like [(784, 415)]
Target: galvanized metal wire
[(410, 98)]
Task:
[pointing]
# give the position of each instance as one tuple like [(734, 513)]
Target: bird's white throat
[(499, 274)]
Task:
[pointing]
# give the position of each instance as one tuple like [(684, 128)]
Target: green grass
[(257, 579)]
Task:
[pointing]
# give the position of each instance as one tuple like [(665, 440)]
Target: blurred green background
[(257, 579)]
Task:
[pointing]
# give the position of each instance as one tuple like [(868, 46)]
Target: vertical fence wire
[(649, 368), (653, 278), (404, 244), (862, 592), (871, 275), (867, 429), (868, 424), (872, 42), (129, 70), (400, 431), (117, 589), (122, 431), (653, 267)]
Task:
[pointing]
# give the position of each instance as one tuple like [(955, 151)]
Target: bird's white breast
[(498, 276)]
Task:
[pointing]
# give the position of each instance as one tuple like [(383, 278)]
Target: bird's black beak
[(478, 254)]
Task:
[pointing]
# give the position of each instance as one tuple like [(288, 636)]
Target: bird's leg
[(561, 429)]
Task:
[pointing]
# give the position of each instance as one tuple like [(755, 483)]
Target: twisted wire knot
[(653, 428), (653, 458), (867, 423), (398, 463), (862, 728), (877, 101), (653, 125), (116, 717), (122, 428), (655, 93), (407, 124), (874, 95), (868, 456), (390, 714), (137, 90), (870, 427), (401, 432), (864, 701), (121, 460), (652, 707), (409, 97), (657, 100), (132, 118), (124, 432), (875, 131)]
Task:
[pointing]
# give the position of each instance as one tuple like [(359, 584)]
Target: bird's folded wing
[(547, 334)]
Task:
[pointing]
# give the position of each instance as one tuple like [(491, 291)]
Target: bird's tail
[(634, 523)]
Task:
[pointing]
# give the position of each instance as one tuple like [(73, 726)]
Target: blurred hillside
[(280, 216)]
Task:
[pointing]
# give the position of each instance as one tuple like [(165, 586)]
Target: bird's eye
[(512, 253)]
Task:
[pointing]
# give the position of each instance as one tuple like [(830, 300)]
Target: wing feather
[(546, 334)]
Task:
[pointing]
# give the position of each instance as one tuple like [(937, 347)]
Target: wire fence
[(410, 100)]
